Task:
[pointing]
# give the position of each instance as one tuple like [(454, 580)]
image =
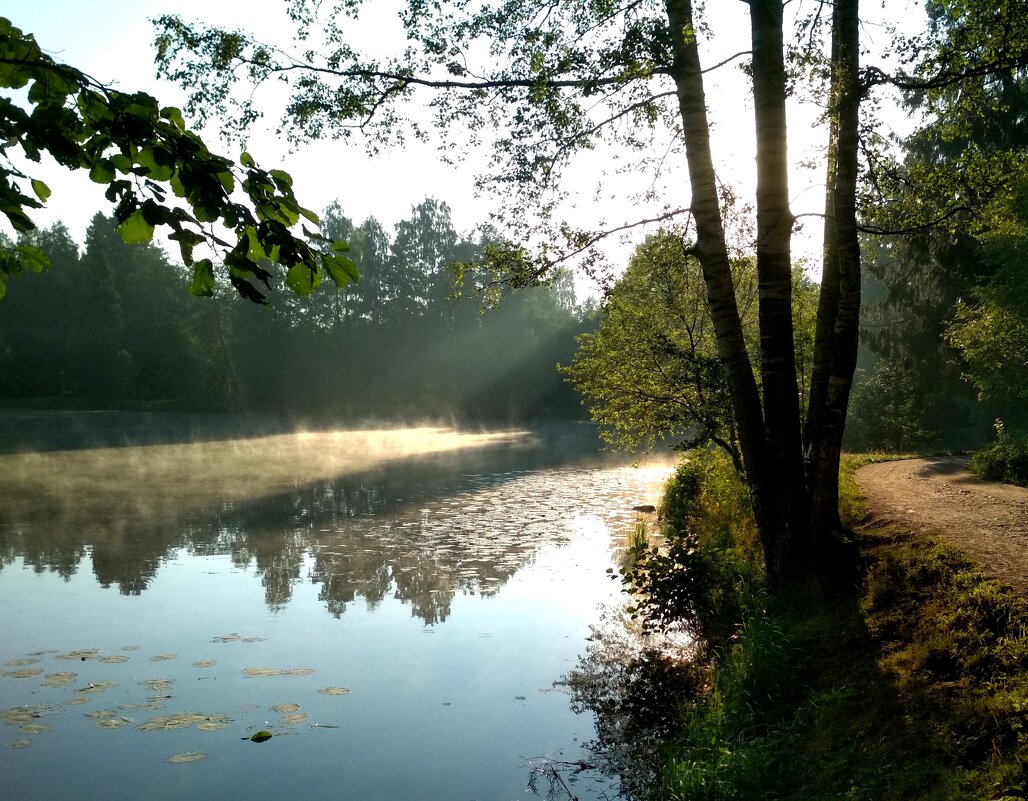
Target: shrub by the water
[(706, 567)]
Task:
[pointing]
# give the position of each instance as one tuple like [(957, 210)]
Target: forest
[(114, 326)]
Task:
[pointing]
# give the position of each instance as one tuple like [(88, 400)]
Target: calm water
[(446, 581)]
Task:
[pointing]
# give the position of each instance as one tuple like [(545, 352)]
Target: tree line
[(114, 325)]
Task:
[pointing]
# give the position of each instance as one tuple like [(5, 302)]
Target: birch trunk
[(838, 319)]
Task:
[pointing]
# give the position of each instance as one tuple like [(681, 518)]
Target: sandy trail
[(939, 497)]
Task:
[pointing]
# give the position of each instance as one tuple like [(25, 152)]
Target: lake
[(393, 606)]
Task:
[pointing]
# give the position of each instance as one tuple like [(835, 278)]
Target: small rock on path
[(938, 497)]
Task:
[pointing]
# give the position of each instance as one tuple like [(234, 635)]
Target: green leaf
[(13, 76), (102, 172), (41, 189), (254, 251), (341, 270), (247, 160), (302, 279), (262, 736), (174, 116), (135, 230), (148, 160), (203, 284), (33, 258), (281, 179), (176, 184)]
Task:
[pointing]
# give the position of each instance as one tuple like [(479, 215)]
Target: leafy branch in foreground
[(140, 150)]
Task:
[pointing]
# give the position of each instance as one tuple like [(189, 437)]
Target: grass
[(913, 686)]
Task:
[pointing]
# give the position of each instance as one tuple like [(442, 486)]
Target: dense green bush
[(706, 567), (1003, 459)]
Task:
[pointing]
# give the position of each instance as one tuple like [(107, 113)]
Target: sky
[(114, 46)]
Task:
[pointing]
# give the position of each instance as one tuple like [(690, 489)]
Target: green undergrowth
[(1004, 459), (913, 685)]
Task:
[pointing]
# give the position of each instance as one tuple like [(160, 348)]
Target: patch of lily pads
[(84, 688)]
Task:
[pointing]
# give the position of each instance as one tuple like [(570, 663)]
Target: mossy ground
[(911, 684)]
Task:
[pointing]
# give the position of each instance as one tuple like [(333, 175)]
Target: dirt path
[(939, 497)]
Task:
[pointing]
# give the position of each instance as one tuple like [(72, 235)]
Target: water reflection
[(220, 556), (635, 684), (419, 514)]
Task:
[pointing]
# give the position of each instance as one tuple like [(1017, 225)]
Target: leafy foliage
[(140, 151), (990, 328), (889, 410), (952, 280), (705, 571), (1004, 459), (530, 83), (651, 371)]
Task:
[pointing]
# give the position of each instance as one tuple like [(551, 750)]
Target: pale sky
[(113, 45)]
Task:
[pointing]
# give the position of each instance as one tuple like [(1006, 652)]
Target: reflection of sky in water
[(449, 614)]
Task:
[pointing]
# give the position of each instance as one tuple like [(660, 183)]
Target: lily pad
[(258, 672), (27, 714), (23, 673), (186, 756), (16, 716), (113, 659), (226, 638), (34, 728), (130, 648), (334, 691), (95, 687), (59, 679), (19, 743), (253, 639), (205, 663), (100, 714), (30, 660), (212, 725), (163, 657), (78, 699), (283, 709), (294, 718), (114, 723), (159, 685), (80, 655), (182, 720), (298, 672)]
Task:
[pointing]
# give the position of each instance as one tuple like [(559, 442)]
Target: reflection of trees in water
[(420, 531), (635, 686)]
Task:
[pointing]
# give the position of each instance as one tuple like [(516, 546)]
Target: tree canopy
[(139, 151)]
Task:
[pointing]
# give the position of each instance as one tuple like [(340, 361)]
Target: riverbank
[(910, 684)]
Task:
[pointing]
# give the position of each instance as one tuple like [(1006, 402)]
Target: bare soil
[(938, 497)]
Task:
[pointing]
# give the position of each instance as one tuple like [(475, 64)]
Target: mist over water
[(446, 578)]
